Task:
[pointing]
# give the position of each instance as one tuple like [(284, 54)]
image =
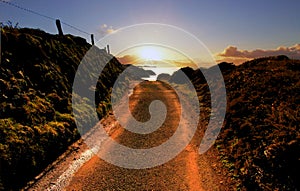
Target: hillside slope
[(261, 135), (36, 122), (260, 138)]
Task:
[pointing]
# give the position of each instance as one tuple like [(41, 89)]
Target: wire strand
[(42, 15)]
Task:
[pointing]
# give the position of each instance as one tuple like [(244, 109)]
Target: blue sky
[(245, 25)]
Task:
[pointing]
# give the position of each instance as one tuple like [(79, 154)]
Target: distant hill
[(260, 139), (36, 122), (197, 75), (139, 72), (163, 77), (177, 76)]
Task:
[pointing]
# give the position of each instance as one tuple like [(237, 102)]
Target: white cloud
[(103, 26), (233, 54), (105, 29)]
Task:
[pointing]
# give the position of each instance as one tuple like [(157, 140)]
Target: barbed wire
[(71, 26), (42, 15)]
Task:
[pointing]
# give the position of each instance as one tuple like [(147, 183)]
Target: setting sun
[(157, 55), (150, 53)]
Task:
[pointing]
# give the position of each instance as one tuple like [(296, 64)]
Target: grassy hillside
[(36, 122), (260, 139), (261, 136)]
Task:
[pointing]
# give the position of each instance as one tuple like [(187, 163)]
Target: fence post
[(92, 39), (58, 25), (108, 50), (0, 44)]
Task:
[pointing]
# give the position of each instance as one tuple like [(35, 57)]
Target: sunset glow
[(150, 53), (153, 55)]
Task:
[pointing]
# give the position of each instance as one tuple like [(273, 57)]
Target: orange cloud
[(235, 60), (181, 63), (232, 54), (128, 59)]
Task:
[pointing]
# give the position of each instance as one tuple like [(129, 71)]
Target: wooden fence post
[(108, 50), (58, 25), (92, 39)]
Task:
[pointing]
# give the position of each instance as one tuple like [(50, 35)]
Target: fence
[(57, 21)]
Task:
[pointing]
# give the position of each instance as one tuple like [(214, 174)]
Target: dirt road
[(181, 173), (80, 169)]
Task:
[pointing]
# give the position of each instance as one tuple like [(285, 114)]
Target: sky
[(232, 31)]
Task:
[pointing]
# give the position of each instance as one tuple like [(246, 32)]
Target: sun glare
[(154, 55), (150, 53)]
